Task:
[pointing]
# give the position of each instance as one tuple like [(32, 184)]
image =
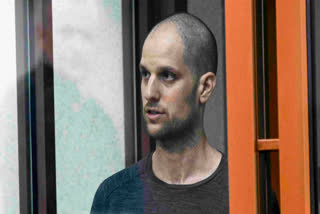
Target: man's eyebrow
[(161, 68), (167, 68), (142, 68)]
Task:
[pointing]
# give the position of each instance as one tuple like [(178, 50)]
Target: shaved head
[(200, 48), (178, 65)]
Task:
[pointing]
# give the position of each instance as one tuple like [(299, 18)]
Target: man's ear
[(207, 83)]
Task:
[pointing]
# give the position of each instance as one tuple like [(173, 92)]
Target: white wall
[(9, 180)]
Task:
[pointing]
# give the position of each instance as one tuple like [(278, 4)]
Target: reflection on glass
[(88, 98)]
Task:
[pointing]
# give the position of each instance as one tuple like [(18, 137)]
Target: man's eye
[(145, 74), (168, 76)]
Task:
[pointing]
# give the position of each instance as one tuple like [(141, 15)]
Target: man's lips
[(153, 114)]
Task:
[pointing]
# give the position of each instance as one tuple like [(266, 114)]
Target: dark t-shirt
[(138, 190)]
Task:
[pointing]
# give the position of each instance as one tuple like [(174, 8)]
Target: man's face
[(168, 95)]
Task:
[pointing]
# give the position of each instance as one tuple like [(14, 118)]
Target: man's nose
[(152, 90)]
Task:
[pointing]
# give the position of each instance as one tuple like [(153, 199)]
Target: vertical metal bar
[(31, 106), (262, 105), (141, 29), (261, 70), (267, 99), (42, 106), (25, 188), (293, 106), (35, 110), (312, 104), (129, 82), (240, 109), (134, 32)]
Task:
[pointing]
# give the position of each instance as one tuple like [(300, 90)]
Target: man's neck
[(190, 166)]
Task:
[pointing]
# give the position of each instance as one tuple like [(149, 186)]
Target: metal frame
[(44, 109), (293, 106), (22, 101), (240, 106), (35, 108), (312, 98), (129, 81), (293, 121), (266, 106)]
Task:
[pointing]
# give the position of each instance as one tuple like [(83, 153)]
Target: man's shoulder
[(119, 179), (222, 172), (128, 176), (122, 189)]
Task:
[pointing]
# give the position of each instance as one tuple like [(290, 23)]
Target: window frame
[(293, 142)]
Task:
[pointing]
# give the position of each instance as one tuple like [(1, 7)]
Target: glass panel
[(9, 184), (88, 96)]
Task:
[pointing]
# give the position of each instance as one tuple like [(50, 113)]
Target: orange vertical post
[(293, 106), (240, 106)]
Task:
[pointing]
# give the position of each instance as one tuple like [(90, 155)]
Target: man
[(184, 174)]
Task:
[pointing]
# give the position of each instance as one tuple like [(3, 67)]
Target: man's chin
[(160, 133), (153, 130)]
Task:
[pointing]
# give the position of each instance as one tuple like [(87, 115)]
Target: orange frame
[(293, 142), (293, 106), (240, 106)]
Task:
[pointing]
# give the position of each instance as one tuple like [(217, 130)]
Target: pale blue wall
[(88, 87)]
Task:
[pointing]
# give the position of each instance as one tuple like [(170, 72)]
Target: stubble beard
[(178, 134)]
